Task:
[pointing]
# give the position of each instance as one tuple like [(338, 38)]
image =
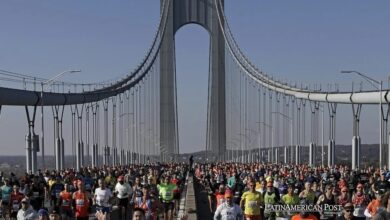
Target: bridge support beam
[(62, 150), (78, 156), (356, 152), (331, 151), (285, 154), (95, 135), (312, 155), (94, 155), (80, 143), (356, 141), (28, 152), (106, 157), (269, 155), (297, 154), (122, 160), (32, 143), (332, 133), (184, 12), (276, 155)]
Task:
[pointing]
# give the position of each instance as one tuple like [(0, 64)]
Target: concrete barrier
[(187, 209)]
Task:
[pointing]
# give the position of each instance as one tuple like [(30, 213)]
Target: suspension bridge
[(138, 111)]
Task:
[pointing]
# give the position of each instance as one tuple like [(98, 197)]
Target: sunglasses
[(349, 210)]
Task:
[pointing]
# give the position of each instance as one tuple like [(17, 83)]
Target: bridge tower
[(202, 12)]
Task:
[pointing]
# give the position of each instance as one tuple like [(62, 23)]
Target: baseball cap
[(120, 178), (228, 195), (43, 212)]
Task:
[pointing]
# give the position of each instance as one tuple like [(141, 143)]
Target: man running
[(228, 210), (251, 201), (102, 197), (123, 193), (166, 193)]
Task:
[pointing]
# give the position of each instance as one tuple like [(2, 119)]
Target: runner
[(15, 201), (26, 212), (65, 202), (81, 202), (37, 194), (308, 194), (148, 204), (251, 201), (327, 199), (101, 198), (124, 193), (271, 197), (166, 193), (360, 202), (373, 206), (6, 191), (56, 188), (290, 198), (228, 210)]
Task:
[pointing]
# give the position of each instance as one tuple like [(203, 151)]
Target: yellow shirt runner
[(252, 202)]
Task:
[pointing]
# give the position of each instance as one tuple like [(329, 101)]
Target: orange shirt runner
[(82, 204), (66, 199)]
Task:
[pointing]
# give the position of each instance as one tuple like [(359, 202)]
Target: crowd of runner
[(235, 192), (255, 191), (136, 191)]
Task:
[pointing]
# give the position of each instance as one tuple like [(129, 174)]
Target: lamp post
[(246, 147), (291, 135), (252, 144), (272, 134), (378, 85), (48, 83)]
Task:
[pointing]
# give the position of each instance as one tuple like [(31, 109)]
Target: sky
[(298, 41)]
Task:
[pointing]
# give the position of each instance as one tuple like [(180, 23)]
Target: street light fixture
[(272, 138), (246, 147), (48, 83), (291, 128), (378, 85)]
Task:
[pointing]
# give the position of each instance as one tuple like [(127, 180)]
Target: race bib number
[(80, 202), (252, 204), (122, 193), (100, 201), (36, 194), (57, 195), (65, 203), (15, 206), (230, 216), (168, 193)]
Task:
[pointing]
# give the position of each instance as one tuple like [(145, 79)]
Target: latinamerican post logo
[(323, 209)]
